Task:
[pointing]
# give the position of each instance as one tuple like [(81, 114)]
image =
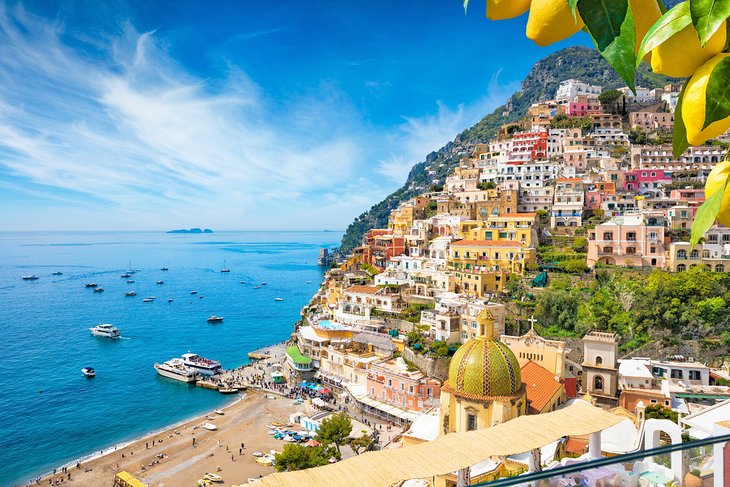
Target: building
[(508, 255), (633, 240), (651, 122), (519, 227), (568, 205), (600, 366), (714, 252), (582, 106), (643, 95), (536, 198), (393, 382), (544, 391), (531, 347), (695, 162), (646, 182), (571, 88)]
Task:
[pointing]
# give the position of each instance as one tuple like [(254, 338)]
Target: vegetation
[(299, 457), (361, 443), (656, 411), (611, 100), (335, 430), (484, 185), (561, 121)]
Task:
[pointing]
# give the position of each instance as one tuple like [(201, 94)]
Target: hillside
[(580, 63)]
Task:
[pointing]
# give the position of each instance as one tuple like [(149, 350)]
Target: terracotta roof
[(540, 384), (362, 289), (564, 180), (487, 243), (575, 445), (514, 215)]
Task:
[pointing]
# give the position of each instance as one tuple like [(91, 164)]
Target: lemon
[(506, 9), (716, 182), (693, 105), (551, 21), (680, 55), (646, 13)]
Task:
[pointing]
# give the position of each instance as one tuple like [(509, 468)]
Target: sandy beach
[(182, 464)]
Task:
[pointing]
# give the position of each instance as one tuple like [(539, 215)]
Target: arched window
[(719, 268), (681, 254), (694, 254), (599, 360), (681, 268), (598, 383)]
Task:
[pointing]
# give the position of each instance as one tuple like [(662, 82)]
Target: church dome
[(484, 369)]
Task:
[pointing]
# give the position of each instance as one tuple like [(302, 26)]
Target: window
[(719, 268), (487, 235), (694, 254), (681, 254), (676, 374), (681, 268), (390, 382), (471, 422), (598, 383), (631, 236), (607, 235), (599, 360), (695, 375), (473, 324)]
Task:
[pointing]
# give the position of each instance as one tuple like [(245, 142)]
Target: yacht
[(98, 289), (215, 319), (175, 369), (57, 273), (224, 268), (193, 292), (201, 365), (130, 281), (88, 372), (31, 277), (278, 299), (257, 287), (148, 300), (130, 293), (169, 300), (264, 283), (160, 282), (105, 330), (126, 275), (164, 269), (90, 284)]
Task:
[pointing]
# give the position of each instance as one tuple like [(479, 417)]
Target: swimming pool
[(332, 325)]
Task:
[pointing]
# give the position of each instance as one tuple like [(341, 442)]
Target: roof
[(362, 289), (426, 426), (450, 452), (540, 385), (486, 243), (621, 438), (379, 340), (706, 419), (634, 368), (297, 356), (130, 479)]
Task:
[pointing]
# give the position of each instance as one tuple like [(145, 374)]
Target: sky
[(236, 115)]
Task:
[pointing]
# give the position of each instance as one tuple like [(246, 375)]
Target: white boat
[(201, 365), (224, 268), (98, 289), (218, 411), (126, 275), (31, 277), (169, 300), (175, 369), (215, 319), (130, 281), (210, 426), (264, 283), (148, 300), (130, 293), (193, 292), (105, 330), (160, 282), (90, 284), (57, 273), (211, 477), (88, 372), (278, 299)]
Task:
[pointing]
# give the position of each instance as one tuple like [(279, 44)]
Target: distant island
[(192, 230)]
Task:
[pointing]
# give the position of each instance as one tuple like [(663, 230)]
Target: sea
[(50, 413)]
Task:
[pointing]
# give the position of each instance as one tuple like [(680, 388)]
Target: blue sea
[(51, 414)]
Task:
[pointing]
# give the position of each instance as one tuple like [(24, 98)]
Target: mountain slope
[(578, 62)]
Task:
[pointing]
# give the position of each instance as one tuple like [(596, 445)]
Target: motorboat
[(243, 282), (88, 372), (193, 292), (130, 281), (148, 300), (31, 277), (105, 330), (201, 297), (227, 390), (219, 412), (264, 283), (98, 289), (164, 269), (90, 284), (257, 287), (201, 365), (126, 275), (211, 477), (215, 319), (57, 273), (175, 369), (210, 426), (160, 282), (169, 300), (130, 293), (278, 299), (224, 268)]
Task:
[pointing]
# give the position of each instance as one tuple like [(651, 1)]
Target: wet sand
[(214, 451)]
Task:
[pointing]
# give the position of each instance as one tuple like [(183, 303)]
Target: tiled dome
[(484, 368)]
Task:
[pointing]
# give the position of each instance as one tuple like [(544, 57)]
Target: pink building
[(391, 383), (631, 240), (646, 181), (582, 106)]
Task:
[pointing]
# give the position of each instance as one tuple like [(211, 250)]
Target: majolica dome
[(484, 369)]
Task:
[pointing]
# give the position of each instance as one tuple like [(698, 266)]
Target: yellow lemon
[(506, 9), (551, 21), (693, 105), (646, 13), (681, 54), (716, 182)]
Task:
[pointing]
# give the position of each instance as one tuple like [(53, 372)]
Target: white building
[(643, 95), (571, 88), (531, 174)]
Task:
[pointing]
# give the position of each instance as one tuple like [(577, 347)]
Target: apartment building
[(634, 240)]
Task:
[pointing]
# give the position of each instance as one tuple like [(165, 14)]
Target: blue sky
[(236, 114)]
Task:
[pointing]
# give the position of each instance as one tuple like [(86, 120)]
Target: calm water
[(44, 337)]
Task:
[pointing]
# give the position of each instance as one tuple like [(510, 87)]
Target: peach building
[(634, 239), (392, 382)]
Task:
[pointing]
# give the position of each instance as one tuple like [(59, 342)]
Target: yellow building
[(509, 255), (518, 227), (549, 354)]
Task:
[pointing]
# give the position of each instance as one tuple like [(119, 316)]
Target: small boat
[(90, 284), (278, 299), (164, 269), (210, 426), (130, 293), (227, 390), (130, 281), (201, 297), (218, 411), (31, 277), (98, 289), (126, 275), (215, 319), (257, 287), (211, 477), (88, 372), (105, 330), (224, 268), (264, 283), (169, 300), (257, 454), (160, 282), (193, 292), (243, 282), (57, 273), (148, 300), (309, 282)]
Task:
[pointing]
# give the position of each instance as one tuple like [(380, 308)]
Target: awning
[(387, 408)]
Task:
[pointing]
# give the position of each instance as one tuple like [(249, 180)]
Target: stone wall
[(437, 367)]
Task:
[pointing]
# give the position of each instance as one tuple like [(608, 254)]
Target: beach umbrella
[(312, 443), (304, 384), (325, 391)]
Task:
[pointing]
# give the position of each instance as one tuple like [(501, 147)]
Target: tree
[(573, 266), (580, 244), (656, 411), (610, 99), (335, 430), (484, 185), (299, 457), (361, 443), (437, 188)]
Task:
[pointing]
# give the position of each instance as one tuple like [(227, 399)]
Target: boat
[(265, 460), (193, 292), (215, 319), (218, 411), (201, 365), (164, 269), (210, 426), (160, 282), (57, 273), (227, 390), (243, 282), (90, 284), (211, 477), (130, 293), (130, 281), (257, 287), (126, 275), (169, 300), (98, 289), (88, 372), (264, 283), (224, 268), (175, 369), (148, 300), (31, 277), (105, 330), (257, 454), (278, 299)]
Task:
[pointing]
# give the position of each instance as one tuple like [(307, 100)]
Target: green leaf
[(466, 6), (668, 24), (573, 4), (708, 16), (610, 24), (706, 214), (717, 96), (679, 137)]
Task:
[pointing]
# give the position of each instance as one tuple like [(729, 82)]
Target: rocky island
[(191, 230)]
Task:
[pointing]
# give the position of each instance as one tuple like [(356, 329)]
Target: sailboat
[(224, 268)]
